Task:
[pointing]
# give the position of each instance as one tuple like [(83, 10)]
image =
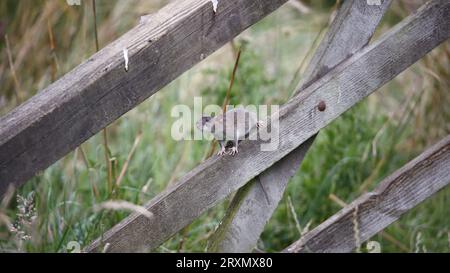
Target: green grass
[(403, 118)]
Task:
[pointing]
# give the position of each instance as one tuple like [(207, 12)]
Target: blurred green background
[(49, 38)]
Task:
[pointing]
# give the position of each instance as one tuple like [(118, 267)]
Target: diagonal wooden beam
[(372, 212), (99, 91), (254, 204), (299, 119)]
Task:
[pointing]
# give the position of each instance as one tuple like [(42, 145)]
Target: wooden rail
[(404, 189), (99, 91), (239, 231), (299, 119)]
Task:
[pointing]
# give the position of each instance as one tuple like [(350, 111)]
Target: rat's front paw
[(222, 152), (233, 151)]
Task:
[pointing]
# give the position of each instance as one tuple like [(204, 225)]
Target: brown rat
[(230, 127)]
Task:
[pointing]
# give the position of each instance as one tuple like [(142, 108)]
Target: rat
[(230, 127)]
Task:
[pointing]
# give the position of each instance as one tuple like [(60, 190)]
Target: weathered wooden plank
[(80, 104), (397, 194), (299, 119), (254, 204)]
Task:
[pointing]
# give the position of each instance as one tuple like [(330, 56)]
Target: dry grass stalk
[(124, 169), (123, 205), (19, 93), (227, 97), (383, 234)]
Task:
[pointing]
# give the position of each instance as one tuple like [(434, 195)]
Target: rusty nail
[(322, 106)]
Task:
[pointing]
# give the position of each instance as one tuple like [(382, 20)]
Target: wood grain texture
[(253, 205), (396, 195), (239, 231), (299, 119), (99, 91), (352, 29)]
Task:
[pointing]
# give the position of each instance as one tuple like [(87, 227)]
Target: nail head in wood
[(322, 106)]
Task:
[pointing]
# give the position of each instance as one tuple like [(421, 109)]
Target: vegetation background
[(42, 40)]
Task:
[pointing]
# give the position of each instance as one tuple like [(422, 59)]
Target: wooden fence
[(344, 70)]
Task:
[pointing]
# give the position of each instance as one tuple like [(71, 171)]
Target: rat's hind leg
[(222, 148), (234, 149)]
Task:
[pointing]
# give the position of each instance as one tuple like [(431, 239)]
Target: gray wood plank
[(239, 231), (299, 119), (99, 91), (397, 194)]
